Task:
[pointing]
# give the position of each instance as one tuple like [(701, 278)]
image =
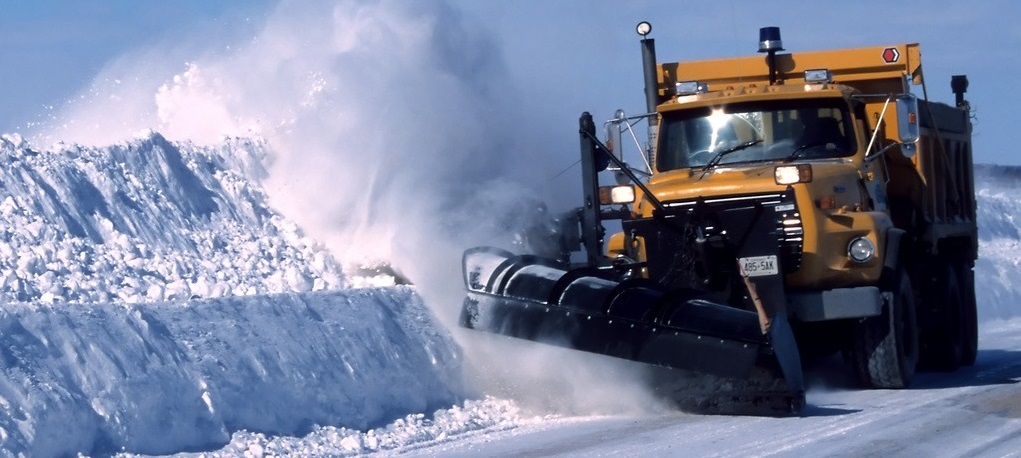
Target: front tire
[(884, 352)]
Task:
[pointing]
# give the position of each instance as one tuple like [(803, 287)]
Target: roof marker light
[(691, 87), (818, 75)]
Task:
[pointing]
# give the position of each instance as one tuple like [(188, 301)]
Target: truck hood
[(691, 184), (737, 179)]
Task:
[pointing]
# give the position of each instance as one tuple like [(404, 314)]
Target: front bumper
[(836, 304)]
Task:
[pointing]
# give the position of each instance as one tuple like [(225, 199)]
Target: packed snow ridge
[(153, 302), (146, 221)]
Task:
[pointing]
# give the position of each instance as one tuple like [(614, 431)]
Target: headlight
[(861, 250), (790, 174), (622, 194)]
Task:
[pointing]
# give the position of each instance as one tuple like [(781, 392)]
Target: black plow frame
[(527, 298)]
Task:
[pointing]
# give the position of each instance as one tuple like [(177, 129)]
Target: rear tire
[(943, 325), (969, 316), (884, 352)]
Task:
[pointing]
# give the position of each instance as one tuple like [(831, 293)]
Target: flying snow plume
[(394, 128), (546, 378)]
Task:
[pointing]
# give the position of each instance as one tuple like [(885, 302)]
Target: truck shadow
[(812, 410), (832, 374), (992, 367)]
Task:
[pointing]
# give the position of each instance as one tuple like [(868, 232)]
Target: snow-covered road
[(973, 412)]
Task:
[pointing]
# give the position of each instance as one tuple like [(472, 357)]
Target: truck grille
[(792, 239), (671, 237), (789, 229)]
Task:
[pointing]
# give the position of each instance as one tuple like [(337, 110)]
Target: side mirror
[(907, 123), (613, 141)]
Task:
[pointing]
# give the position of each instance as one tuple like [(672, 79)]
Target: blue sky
[(564, 56), (52, 49)]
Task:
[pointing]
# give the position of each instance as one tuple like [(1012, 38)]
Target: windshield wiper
[(723, 152), (797, 152), (801, 148)]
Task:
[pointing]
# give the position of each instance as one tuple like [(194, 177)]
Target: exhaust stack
[(651, 80), (959, 84)]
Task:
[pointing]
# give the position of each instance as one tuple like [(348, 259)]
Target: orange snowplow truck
[(812, 191), (877, 256)]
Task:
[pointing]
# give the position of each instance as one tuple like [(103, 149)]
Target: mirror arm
[(878, 154), (875, 132), (627, 171)]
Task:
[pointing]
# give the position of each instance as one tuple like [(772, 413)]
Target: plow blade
[(706, 357)]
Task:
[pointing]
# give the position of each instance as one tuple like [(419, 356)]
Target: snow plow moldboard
[(706, 357)]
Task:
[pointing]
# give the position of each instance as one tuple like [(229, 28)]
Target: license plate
[(758, 266)]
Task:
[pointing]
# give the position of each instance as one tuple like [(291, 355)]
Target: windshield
[(755, 131)]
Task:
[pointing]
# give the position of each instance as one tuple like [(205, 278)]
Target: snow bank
[(106, 342), (162, 378), (146, 221), (997, 288)]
